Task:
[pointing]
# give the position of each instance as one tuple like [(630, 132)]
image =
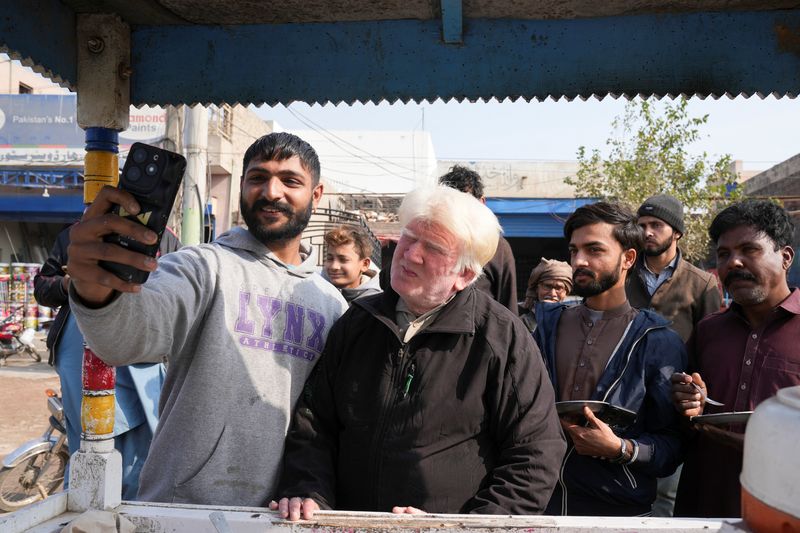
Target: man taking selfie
[(241, 322)]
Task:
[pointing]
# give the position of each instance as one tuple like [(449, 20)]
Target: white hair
[(472, 223)]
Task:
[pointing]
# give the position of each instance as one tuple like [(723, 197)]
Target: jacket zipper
[(629, 474), (628, 360), (625, 469), (561, 481), (384, 419)]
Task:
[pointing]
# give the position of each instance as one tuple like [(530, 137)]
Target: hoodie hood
[(370, 284), (239, 238)]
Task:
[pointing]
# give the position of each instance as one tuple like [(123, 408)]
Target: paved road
[(23, 404)]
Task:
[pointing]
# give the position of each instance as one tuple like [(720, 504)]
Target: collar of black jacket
[(458, 316)]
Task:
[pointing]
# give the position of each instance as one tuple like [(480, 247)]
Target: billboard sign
[(43, 130)]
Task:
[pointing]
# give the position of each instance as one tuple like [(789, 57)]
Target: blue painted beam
[(44, 32), (452, 22), (735, 52)]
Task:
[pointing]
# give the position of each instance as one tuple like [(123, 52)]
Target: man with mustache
[(663, 281), (606, 350), (241, 322), (430, 396), (740, 356)]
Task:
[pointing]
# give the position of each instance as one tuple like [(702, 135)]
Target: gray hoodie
[(241, 331), (370, 284)]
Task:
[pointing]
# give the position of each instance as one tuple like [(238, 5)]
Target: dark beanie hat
[(665, 207)]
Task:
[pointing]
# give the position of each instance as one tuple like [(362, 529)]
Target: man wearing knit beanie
[(665, 208), (663, 281)]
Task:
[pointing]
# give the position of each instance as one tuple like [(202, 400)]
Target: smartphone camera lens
[(139, 155), (151, 169), (133, 174)]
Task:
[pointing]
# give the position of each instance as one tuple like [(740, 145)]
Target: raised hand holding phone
[(153, 176), (114, 245)]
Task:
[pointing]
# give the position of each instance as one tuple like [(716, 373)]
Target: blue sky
[(759, 132)]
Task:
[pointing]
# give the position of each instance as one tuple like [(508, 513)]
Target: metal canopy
[(415, 50), (534, 217)]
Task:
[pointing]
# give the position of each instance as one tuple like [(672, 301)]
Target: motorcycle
[(36, 469), (15, 339)]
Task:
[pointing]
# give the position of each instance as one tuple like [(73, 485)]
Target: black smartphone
[(153, 176)]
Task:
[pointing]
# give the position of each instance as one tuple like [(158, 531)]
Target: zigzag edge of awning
[(416, 99), (472, 99)]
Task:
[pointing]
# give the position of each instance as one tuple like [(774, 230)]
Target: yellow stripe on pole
[(101, 169), (97, 415)]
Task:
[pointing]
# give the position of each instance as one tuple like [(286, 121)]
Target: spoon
[(707, 399)]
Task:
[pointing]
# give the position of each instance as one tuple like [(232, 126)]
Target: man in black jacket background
[(499, 277), (431, 396)]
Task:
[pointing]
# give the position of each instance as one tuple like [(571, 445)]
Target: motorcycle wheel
[(32, 480)]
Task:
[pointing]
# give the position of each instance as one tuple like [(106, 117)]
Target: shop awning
[(534, 217)]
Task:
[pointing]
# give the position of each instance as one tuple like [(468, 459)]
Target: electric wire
[(324, 134), (297, 114)]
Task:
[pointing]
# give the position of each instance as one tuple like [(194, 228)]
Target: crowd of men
[(433, 395)]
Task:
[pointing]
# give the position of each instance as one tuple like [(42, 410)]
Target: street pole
[(195, 136)]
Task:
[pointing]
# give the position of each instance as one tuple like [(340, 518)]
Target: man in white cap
[(550, 281)]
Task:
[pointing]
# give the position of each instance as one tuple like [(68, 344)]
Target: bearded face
[(587, 282), (262, 219), (658, 235), (278, 198)]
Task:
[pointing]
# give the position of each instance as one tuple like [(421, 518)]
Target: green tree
[(648, 155)]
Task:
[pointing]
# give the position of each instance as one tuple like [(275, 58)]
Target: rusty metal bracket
[(104, 71)]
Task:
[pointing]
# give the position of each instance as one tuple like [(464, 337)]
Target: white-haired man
[(431, 395)]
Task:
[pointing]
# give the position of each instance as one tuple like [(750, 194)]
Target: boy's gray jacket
[(241, 331), (370, 284)]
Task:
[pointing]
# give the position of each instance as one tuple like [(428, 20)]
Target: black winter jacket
[(459, 420), (499, 277), (48, 290)]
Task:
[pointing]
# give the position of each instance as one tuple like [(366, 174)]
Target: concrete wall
[(781, 180), (12, 73), (519, 178), (226, 147)]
